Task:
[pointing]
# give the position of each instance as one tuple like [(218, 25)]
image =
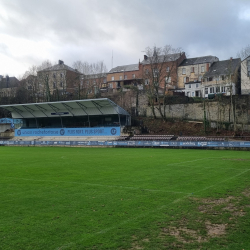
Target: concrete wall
[(215, 111), (4, 127)]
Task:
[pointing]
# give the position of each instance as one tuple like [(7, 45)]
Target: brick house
[(193, 69), (123, 77), (222, 77), (59, 78), (163, 67)]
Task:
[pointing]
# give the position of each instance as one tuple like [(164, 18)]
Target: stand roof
[(88, 107)]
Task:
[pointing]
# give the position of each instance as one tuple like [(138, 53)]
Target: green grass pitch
[(124, 198)]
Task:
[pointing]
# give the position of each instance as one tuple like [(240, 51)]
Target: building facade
[(245, 76), (58, 79), (193, 69)]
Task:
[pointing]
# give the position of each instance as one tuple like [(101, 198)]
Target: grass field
[(124, 198)]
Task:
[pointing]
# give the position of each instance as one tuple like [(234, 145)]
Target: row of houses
[(173, 74)]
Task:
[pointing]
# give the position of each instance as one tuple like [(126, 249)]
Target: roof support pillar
[(30, 111), (83, 108)]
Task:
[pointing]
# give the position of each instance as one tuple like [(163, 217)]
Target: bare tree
[(244, 54), (92, 77), (159, 75)]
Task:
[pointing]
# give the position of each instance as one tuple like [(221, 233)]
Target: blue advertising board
[(179, 144), (98, 131)]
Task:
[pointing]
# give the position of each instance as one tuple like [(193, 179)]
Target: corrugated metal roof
[(88, 107)]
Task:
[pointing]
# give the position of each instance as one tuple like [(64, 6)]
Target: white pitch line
[(102, 185), (200, 159), (164, 206)]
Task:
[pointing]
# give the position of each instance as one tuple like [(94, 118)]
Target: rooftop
[(161, 58), (199, 60), (59, 66), (223, 67), (124, 68)]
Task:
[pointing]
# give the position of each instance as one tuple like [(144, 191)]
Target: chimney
[(145, 57), (231, 58), (60, 62)]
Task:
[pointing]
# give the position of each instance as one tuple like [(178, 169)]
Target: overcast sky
[(32, 31)]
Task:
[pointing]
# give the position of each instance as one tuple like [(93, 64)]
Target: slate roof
[(94, 76), (223, 67), (199, 60), (130, 67), (59, 66), (162, 58), (9, 82)]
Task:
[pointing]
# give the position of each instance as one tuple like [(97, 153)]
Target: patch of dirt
[(218, 201), (136, 245), (215, 230), (211, 207), (246, 193), (183, 234)]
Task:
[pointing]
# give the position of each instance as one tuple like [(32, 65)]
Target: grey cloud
[(90, 30)]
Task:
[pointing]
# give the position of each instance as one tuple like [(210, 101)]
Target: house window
[(146, 72), (120, 77), (192, 93), (110, 85), (104, 80), (222, 78), (189, 85), (125, 77), (202, 69), (87, 82), (168, 79), (61, 84), (192, 69), (29, 87), (200, 78), (217, 89), (210, 79), (187, 79), (223, 89), (168, 69), (54, 85), (54, 75), (61, 74), (248, 67), (184, 79), (206, 91), (146, 81), (156, 72), (112, 78), (133, 75), (183, 71), (211, 90), (197, 85)]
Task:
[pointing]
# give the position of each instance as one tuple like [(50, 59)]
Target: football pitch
[(124, 198)]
